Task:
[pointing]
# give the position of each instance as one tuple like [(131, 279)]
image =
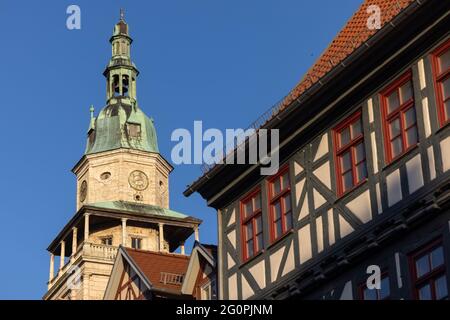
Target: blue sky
[(220, 61)]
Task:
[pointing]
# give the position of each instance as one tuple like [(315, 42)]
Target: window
[(105, 175), (208, 291), (107, 241), (134, 130), (399, 117), (280, 204), (116, 85), (377, 294), (441, 70), (125, 85), (428, 273), (252, 231), (136, 243), (350, 154)]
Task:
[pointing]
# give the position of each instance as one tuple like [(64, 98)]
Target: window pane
[(437, 258), (277, 210), (107, 241), (249, 230), (356, 128), (396, 146), (276, 188), (135, 243), (441, 288), (385, 289), (250, 248), (285, 179), (410, 117), (347, 180), (278, 228), (287, 203), (257, 201), (258, 224), (370, 294), (411, 136), (406, 91), (344, 136), (393, 101), (288, 221), (425, 293), (361, 170), (248, 209), (394, 128), (206, 293), (259, 242), (446, 88), (346, 162), (360, 152), (422, 266), (444, 61), (447, 109)]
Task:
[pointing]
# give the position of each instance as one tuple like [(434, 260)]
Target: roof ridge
[(159, 253)]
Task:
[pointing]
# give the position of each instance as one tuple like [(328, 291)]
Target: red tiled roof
[(350, 38), (152, 264)]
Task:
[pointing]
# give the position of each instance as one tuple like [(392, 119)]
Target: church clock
[(138, 180)]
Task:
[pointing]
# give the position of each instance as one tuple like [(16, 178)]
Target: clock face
[(138, 180), (83, 191)]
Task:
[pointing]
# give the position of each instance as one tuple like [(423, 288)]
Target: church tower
[(122, 189)]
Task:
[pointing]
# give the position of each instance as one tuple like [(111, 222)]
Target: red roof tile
[(152, 264), (350, 38)]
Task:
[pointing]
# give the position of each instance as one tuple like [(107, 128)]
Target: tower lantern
[(121, 73)]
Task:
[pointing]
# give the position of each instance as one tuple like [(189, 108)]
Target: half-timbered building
[(152, 275), (364, 171), (200, 280)]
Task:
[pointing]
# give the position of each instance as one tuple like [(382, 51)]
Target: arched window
[(123, 45), (116, 85), (125, 85)]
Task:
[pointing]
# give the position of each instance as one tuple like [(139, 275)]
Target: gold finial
[(122, 14)]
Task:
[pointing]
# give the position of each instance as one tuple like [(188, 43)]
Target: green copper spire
[(121, 123)]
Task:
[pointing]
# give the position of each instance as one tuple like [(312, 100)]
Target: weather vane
[(122, 14)]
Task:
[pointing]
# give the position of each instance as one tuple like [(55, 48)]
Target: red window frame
[(280, 197), (399, 113), (251, 219), (340, 150), (363, 286), (439, 77), (433, 274)]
